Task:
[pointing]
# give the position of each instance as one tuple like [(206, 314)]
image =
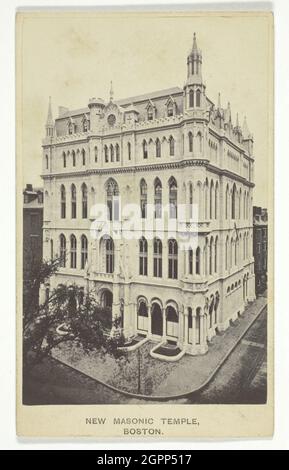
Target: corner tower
[(194, 89), (49, 122)]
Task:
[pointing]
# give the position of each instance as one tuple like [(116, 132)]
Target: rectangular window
[(83, 259), (143, 265), (157, 267), (73, 259), (73, 210), (63, 210), (173, 268)]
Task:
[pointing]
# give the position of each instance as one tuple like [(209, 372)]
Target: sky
[(74, 56)]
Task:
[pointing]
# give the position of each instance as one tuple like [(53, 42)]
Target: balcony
[(194, 227), (101, 277), (195, 286)]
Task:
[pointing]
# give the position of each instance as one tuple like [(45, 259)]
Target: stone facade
[(260, 247), (171, 147)]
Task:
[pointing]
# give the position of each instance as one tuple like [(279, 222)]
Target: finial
[(49, 121), (229, 111), (111, 92), (195, 42), (246, 131), (237, 120), (219, 100)]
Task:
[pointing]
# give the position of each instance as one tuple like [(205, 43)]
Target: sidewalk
[(161, 380), (194, 372)]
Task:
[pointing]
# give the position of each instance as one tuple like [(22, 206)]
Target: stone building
[(174, 148), (260, 247), (32, 227)]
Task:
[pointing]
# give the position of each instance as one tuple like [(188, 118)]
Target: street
[(240, 380)]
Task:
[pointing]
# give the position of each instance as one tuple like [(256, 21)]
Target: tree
[(67, 314)]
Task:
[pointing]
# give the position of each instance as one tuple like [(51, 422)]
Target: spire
[(246, 132), (229, 116), (195, 47), (219, 100), (49, 121), (111, 92)]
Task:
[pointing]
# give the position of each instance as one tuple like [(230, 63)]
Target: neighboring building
[(170, 146), (32, 227), (260, 247)]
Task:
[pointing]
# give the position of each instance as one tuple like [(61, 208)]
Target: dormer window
[(198, 98), (151, 111), (170, 109), (85, 123), (71, 127), (150, 114), (191, 98)]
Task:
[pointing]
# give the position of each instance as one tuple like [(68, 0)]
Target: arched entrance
[(157, 320), (142, 316), (172, 322), (106, 299)]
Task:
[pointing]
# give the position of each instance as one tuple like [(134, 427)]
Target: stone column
[(164, 324), (186, 320), (202, 328), (149, 321), (194, 327), (181, 328)]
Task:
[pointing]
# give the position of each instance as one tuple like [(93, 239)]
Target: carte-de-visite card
[(144, 224)]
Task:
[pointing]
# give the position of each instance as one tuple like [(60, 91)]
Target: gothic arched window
[(158, 250), (106, 154), (190, 142), (73, 251), (84, 247), (173, 259), (191, 98), (145, 149), (158, 148), (73, 158), (158, 198), (64, 159), (111, 153), (84, 201), (150, 113), (117, 153), (234, 202), (109, 255), (173, 198), (129, 151), (112, 200), (172, 146), (198, 260), (62, 240), (63, 202), (170, 109), (143, 199), (190, 261), (73, 201), (198, 98), (143, 257), (83, 156)]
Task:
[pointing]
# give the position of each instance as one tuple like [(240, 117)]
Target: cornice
[(151, 167)]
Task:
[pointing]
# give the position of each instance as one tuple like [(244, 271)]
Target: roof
[(73, 112), (150, 96), (127, 101)]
